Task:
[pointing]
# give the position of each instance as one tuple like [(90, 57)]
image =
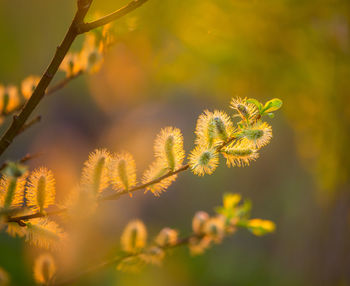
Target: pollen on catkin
[(168, 146), (44, 233), (134, 236), (12, 191), (167, 237), (239, 154), (95, 177), (213, 127), (44, 268), (122, 171), (155, 171), (203, 160), (245, 110), (41, 189), (258, 135), (28, 85)]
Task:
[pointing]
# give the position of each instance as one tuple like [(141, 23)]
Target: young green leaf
[(272, 105)]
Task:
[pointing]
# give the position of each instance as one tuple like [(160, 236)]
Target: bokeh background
[(172, 60)]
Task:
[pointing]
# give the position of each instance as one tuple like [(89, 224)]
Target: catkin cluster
[(27, 198)]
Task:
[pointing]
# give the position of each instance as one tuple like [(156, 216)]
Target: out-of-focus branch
[(85, 27), (119, 259)]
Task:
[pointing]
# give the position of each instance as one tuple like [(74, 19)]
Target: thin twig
[(85, 27), (63, 83), (22, 160), (29, 124)]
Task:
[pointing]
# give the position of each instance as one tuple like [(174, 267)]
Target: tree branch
[(85, 27), (39, 92), (119, 259)]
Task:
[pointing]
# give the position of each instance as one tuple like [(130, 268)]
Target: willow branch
[(85, 27), (77, 27), (39, 92), (119, 259), (116, 196)]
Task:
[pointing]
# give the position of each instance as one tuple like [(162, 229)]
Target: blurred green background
[(172, 60)]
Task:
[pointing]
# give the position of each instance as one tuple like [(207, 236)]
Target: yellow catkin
[(122, 171), (90, 57), (167, 237), (239, 154), (247, 111), (154, 255), (44, 233), (95, 177), (203, 160), (134, 236), (260, 227), (9, 98), (44, 268), (258, 135), (199, 245), (155, 171), (213, 128), (12, 191), (198, 222), (28, 85), (41, 189), (71, 64), (168, 147), (214, 228)]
